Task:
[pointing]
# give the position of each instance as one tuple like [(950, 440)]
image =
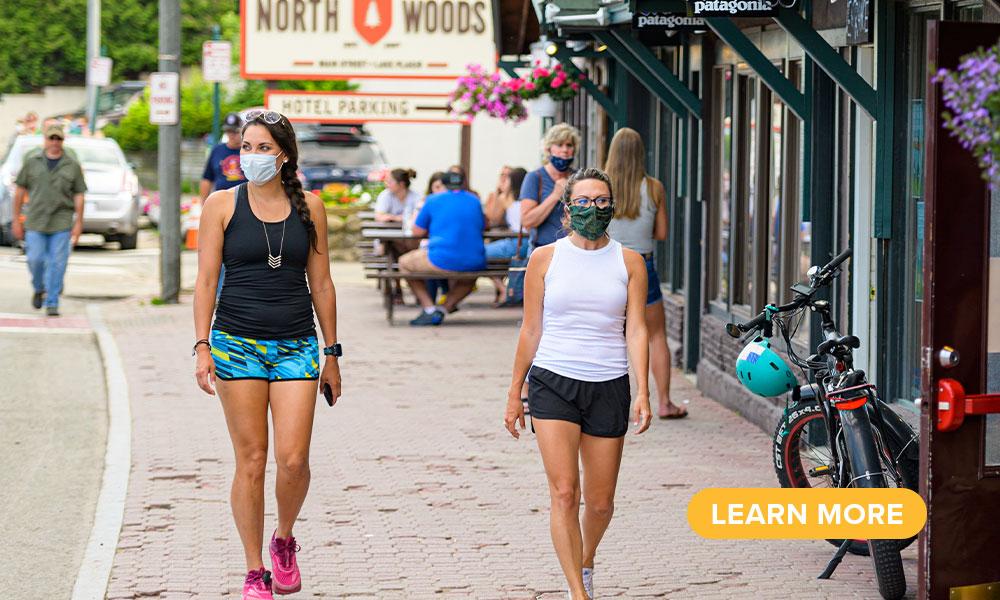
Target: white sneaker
[(588, 582)]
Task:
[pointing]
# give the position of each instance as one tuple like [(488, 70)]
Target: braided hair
[(284, 136)]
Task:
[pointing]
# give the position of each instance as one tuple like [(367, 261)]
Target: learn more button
[(806, 513)]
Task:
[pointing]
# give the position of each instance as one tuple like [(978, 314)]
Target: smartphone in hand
[(328, 393)]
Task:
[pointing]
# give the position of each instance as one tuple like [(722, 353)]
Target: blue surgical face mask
[(259, 168), (561, 164)]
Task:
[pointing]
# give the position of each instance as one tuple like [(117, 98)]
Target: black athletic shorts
[(600, 408)]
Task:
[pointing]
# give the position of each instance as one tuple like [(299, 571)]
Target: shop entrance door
[(960, 469)]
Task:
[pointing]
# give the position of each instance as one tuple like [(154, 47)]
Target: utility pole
[(93, 51), (168, 161), (216, 132)]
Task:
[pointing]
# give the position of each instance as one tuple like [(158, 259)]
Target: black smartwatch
[(334, 350)]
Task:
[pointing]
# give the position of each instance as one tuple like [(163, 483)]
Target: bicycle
[(872, 446)]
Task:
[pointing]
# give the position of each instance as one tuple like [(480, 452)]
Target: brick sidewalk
[(419, 492)]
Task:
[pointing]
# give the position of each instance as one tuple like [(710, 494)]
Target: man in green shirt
[(53, 182)]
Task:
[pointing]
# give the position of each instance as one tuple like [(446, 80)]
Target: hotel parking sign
[(351, 39)]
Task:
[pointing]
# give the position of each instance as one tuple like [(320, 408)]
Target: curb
[(95, 569)]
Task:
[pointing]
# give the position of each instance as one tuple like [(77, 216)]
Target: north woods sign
[(345, 39)]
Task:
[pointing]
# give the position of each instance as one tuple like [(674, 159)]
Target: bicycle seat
[(839, 346)]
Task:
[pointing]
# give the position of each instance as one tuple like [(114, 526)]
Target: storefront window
[(724, 108), (748, 189), (775, 204)]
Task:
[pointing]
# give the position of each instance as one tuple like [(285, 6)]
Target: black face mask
[(561, 164)]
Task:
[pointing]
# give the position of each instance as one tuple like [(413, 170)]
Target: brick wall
[(717, 380), (673, 306)]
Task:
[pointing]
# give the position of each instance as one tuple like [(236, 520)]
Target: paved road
[(54, 423), (418, 492)]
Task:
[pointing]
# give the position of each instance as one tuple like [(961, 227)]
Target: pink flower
[(529, 86), (557, 82), (540, 72), (582, 76), (574, 86), (558, 67)]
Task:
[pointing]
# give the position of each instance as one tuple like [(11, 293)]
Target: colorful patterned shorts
[(272, 360)]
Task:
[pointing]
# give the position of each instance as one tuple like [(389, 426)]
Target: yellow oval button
[(806, 513)]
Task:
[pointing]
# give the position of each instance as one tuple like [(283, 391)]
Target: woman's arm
[(324, 295), (531, 334), (637, 337), (660, 200), (534, 213), (494, 210), (211, 232)]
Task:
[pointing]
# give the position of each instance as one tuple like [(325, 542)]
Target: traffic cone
[(191, 239)]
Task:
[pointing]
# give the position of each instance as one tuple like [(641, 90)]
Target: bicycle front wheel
[(803, 457)]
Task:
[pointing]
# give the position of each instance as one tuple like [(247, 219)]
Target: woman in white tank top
[(640, 220), (584, 318)]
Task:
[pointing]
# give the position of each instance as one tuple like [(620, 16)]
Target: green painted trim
[(807, 133), (658, 70), (670, 6), (885, 40), (508, 66), (829, 60), (738, 41), (618, 114), (624, 59)]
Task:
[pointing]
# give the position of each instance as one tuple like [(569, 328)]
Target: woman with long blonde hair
[(640, 220)]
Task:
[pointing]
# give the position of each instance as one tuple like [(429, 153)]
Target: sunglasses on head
[(268, 116)]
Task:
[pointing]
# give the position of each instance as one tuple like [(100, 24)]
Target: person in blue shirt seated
[(543, 188), (453, 221)]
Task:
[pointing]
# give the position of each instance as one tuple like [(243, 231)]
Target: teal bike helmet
[(762, 371)]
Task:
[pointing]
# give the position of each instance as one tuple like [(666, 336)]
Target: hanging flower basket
[(543, 106), (478, 92), (971, 94)]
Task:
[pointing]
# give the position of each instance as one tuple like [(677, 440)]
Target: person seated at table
[(503, 209), (393, 202), (453, 221), (435, 185)]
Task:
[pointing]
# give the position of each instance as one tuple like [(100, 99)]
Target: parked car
[(335, 157), (113, 102), (111, 204)]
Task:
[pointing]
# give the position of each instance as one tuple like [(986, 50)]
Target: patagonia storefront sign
[(738, 8), (664, 29)]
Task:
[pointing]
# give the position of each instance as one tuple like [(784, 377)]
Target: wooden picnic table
[(388, 274), (381, 225), (391, 235)]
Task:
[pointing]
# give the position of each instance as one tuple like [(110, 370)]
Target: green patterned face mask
[(590, 222)]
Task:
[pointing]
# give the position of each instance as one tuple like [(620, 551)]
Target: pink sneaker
[(287, 579), (257, 585)]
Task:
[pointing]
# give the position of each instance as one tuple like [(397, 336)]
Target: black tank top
[(258, 301)]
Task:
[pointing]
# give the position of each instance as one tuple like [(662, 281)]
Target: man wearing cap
[(222, 171), (53, 181)]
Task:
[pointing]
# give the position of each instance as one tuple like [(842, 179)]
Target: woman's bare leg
[(245, 405), (559, 444)]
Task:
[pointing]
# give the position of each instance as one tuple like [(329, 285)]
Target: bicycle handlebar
[(822, 279)]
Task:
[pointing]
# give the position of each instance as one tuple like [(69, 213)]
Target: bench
[(386, 276)]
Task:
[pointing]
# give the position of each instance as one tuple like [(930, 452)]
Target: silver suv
[(111, 204)]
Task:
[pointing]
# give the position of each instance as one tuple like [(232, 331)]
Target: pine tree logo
[(372, 19)]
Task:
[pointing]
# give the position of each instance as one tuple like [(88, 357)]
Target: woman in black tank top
[(261, 350)]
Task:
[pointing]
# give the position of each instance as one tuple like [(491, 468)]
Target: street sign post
[(216, 60), (356, 107), (216, 65), (99, 73), (356, 39), (164, 98)]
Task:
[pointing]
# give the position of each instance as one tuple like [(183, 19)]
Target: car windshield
[(339, 155), (96, 155), (92, 154)]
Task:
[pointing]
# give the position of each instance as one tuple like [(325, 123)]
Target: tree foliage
[(44, 42)]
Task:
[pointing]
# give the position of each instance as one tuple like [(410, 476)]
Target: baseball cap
[(232, 122), (453, 180), (55, 129)]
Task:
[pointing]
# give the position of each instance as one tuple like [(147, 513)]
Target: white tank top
[(583, 313)]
